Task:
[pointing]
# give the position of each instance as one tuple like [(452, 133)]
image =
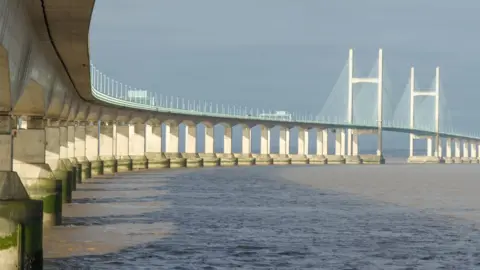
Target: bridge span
[(62, 121)]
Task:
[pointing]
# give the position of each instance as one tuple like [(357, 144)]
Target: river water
[(294, 217)]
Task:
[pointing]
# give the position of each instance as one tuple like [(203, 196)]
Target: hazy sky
[(287, 54)]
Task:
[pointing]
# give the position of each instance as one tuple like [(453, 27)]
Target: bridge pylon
[(352, 147), (431, 93)]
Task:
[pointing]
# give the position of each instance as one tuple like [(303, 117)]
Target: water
[(270, 218)]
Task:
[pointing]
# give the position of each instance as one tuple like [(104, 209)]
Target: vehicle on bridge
[(278, 115)]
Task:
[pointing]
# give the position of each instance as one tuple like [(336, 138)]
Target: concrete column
[(246, 144), (29, 161), (349, 146), (153, 148), (71, 169), (71, 140), (56, 157), (440, 149), (338, 143), (342, 145), (80, 150), (457, 148), (301, 141), (429, 146), (465, 149), (227, 140), (209, 139), (171, 140), (325, 141), (319, 142), (305, 145), (18, 210), (114, 139), (264, 140), (411, 144), (283, 144), (478, 151), (153, 137), (137, 146), (71, 153), (122, 153), (123, 137), (191, 139), (473, 150), (354, 144), (107, 153), (449, 147), (92, 148), (268, 139)]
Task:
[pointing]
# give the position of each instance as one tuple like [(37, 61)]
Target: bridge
[(64, 121)]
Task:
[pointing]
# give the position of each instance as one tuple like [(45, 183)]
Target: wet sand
[(451, 190), (102, 220)]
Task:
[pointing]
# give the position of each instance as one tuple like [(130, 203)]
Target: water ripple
[(250, 219)]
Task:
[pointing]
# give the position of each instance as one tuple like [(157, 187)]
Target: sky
[(285, 54)]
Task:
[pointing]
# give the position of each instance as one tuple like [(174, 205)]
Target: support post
[(107, 154), (325, 141), (227, 140), (71, 153), (246, 142), (81, 150), (137, 146), (429, 146), (319, 142), (124, 162), (92, 147), (29, 161), (355, 144), (153, 147), (20, 212), (264, 140), (191, 139), (171, 140), (301, 141), (209, 139), (283, 141), (54, 160)]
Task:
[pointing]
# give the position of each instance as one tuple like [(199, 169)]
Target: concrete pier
[(29, 161), (153, 137), (107, 153), (209, 159), (281, 159), (55, 161), (339, 156), (193, 159), (71, 153), (81, 150), (92, 150), (302, 152), (124, 162), (17, 211), (137, 146), (227, 158)]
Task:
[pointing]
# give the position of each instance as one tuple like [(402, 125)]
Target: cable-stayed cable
[(335, 107)]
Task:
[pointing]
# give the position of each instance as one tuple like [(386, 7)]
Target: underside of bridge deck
[(64, 27)]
